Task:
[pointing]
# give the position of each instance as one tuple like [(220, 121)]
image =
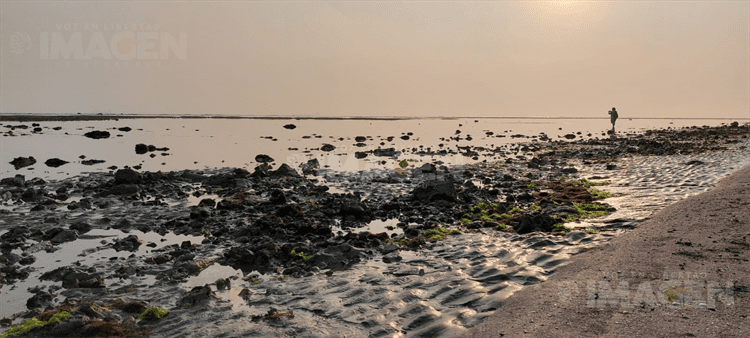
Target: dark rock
[(535, 222), (435, 190), (81, 227), (17, 181), (263, 158), (360, 155), (223, 284), (290, 126), (92, 162), (20, 162), (427, 168), (207, 202), (125, 129), (391, 257), (277, 197), (611, 166), (389, 152), (405, 137), (127, 176), (327, 147), (199, 295), (360, 138), (310, 166), (130, 243), (336, 257), (199, 213), (55, 162), (569, 170), (286, 170), (735, 124), (141, 148), (570, 136), (97, 134), (123, 189), (39, 300), (66, 235), (261, 171)]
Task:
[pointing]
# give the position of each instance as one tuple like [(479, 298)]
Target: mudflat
[(683, 273)]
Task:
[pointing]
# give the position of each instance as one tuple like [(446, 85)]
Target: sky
[(363, 58)]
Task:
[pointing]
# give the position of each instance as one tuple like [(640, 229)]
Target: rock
[(20, 162), (223, 284), (360, 155), (141, 148), (611, 166), (199, 213), (55, 162), (16, 181), (310, 166), (360, 138), (97, 134), (355, 210), (263, 158), (290, 126), (261, 171), (286, 170), (130, 243), (535, 222), (391, 247), (570, 136), (92, 162), (391, 257), (569, 170), (335, 258), (125, 129), (277, 197), (66, 235), (435, 190), (735, 124), (405, 137), (427, 168), (127, 176), (81, 227), (39, 300), (327, 147), (388, 152), (122, 189), (199, 295)]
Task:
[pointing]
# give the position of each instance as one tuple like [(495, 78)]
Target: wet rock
[(97, 134), (391, 257), (66, 235), (389, 248), (310, 166), (286, 170), (435, 190), (55, 162), (92, 162), (327, 147), (130, 243), (122, 189), (569, 170), (39, 300), (141, 148), (16, 181), (277, 197), (360, 138), (336, 257), (535, 222), (570, 136), (207, 202), (427, 168), (263, 158), (132, 306), (199, 295), (223, 284), (199, 213), (127, 176), (360, 155), (290, 126), (735, 124), (388, 152), (31, 195), (20, 162), (405, 137), (611, 166)]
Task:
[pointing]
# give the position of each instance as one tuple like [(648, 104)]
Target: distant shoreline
[(41, 117)]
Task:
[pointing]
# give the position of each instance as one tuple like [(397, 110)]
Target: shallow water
[(216, 143)]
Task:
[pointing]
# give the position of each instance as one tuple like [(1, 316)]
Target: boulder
[(290, 126), (127, 176), (263, 158), (97, 134), (55, 162), (286, 170), (535, 222), (141, 148), (435, 190), (20, 162)]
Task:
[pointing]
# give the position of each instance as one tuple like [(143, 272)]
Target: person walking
[(613, 118)]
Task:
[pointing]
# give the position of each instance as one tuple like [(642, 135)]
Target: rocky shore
[(281, 227)]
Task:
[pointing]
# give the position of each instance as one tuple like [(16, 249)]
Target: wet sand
[(685, 270)]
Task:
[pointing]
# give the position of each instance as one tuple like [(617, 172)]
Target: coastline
[(691, 247), (428, 287)]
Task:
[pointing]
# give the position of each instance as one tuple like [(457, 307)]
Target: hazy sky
[(495, 58)]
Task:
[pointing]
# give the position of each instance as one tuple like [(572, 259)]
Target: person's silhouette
[(613, 118)]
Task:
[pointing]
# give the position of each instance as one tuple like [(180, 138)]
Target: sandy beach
[(683, 273), (414, 247)]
